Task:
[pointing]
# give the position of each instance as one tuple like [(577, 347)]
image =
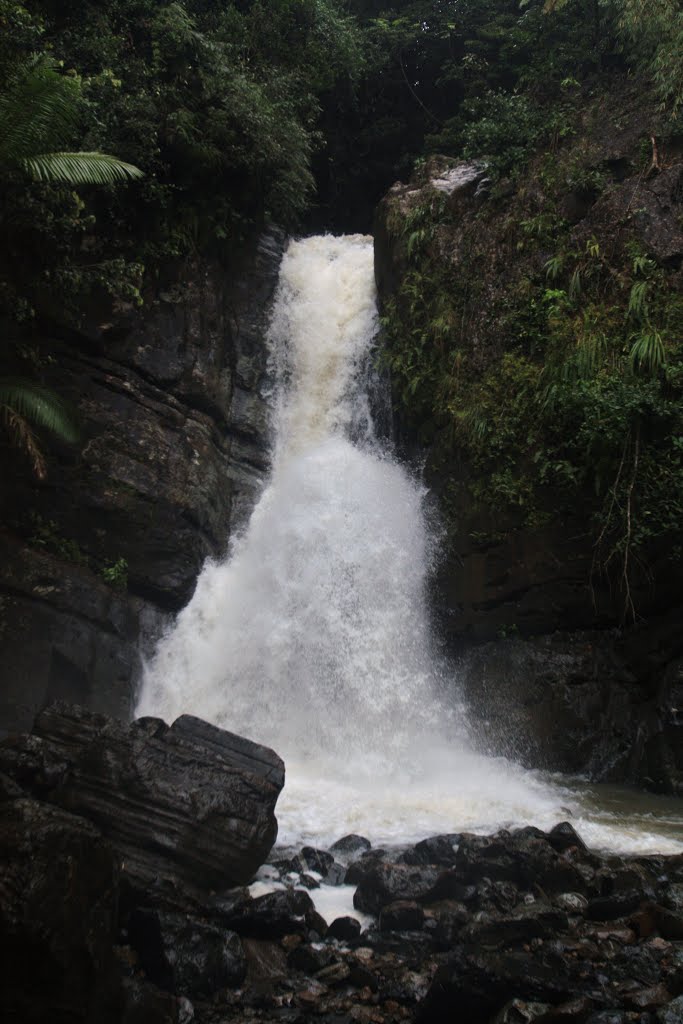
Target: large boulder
[(184, 955), (189, 802)]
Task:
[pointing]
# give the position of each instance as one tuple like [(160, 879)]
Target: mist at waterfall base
[(313, 636)]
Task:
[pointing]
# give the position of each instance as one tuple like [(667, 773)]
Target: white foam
[(333, 901)]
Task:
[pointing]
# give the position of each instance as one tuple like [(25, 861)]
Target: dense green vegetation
[(217, 103), (37, 111), (538, 336)]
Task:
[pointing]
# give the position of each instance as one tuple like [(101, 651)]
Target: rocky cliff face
[(530, 572), (514, 572), (588, 702), (174, 444)]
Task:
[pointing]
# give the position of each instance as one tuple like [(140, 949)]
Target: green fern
[(554, 267), (576, 284), (637, 303), (39, 405), (39, 112), (25, 404), (79, 168), (648, 352)]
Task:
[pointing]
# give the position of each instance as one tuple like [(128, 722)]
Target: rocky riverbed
[(126, 854)]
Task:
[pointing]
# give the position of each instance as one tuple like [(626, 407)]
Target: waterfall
[(313, 635)]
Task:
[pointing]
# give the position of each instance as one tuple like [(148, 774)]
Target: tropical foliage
[(218, 104), (25, 405), (39, 112)]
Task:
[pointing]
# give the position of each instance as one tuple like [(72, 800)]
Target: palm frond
[(38, 111), (648, 351), (79, 168), (38, 405), (554, 267), (24, 438), (637, 303), (591, 353)]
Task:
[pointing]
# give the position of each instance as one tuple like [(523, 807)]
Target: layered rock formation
[(593, 702), (189, 800), (173, 422), (111, 832)]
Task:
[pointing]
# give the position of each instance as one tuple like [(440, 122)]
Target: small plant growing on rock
[(116, 574)]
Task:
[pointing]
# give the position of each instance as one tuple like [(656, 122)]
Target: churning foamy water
[(313, 637)]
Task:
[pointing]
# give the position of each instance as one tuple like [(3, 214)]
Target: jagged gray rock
[(189, 802)]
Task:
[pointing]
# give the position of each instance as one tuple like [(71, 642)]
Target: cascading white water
[(312, 637)]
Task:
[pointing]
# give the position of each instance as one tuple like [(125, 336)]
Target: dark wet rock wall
[(173, 417), (556, 671)]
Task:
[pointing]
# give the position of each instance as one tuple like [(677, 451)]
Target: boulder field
[(126, 853)]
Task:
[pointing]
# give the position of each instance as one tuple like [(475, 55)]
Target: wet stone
[(571, 902), (575, 1010), (435, 850), (344, 928), (519, 1012), (335, 874), (309, 882), (188, 957), (524, 858), (290, 942), (361, 976), (309, 959), (284, 912), (317, 926), (383, 883), (451, 917), (334, 974), (497, 897), (403, 915), (266, 964), (527, 924), (626, 936), (311, 995), (649, 998), (673, 899), (670, 923), (350, 847), (563, 837), (311, 859), (610, 908), (671, 1013), (449, 886)]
